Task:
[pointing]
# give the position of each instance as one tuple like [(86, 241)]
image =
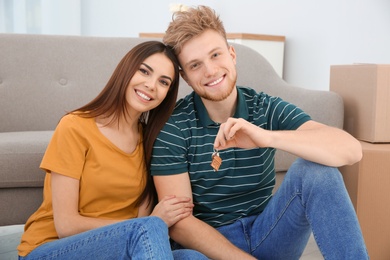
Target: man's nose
[(210, 69)]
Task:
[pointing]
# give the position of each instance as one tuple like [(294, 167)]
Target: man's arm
[(191, 232), (320, 143), (312, 141)]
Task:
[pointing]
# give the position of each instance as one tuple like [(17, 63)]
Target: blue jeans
[(140, 238), (312, 198)]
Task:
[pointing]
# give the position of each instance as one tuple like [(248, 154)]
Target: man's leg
[(311, 197)]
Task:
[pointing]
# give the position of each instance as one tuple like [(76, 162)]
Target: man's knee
[(307, 170)]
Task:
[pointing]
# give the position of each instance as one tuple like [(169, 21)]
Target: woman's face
[(150, 84)]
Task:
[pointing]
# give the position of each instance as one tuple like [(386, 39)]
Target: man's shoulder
[(184, 106), (185, 100), (251, 95), (249, 92)]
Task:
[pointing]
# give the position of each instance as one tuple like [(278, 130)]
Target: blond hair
[(188, 24)]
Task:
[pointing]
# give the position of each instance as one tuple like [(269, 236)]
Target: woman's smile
[(143, 95)]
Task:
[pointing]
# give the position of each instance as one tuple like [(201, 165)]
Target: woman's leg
[(141, 238), (188, 254)]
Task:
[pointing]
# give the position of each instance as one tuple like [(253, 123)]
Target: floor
[(312, 252)]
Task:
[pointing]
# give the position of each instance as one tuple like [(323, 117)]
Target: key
[(216, 161)]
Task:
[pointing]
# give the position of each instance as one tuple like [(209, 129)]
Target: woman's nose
[(151, 84)]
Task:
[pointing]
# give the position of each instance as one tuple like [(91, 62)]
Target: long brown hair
[(111, 101)]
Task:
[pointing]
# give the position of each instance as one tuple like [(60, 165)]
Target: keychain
[(216, 161)]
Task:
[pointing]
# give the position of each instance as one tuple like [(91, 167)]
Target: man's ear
[(232, 52)]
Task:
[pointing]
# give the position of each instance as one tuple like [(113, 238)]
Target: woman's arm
[(65, 199), (68, 221)]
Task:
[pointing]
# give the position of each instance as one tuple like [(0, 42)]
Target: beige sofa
[(42, 77)]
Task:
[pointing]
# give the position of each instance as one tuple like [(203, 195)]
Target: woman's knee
[(155, 224)]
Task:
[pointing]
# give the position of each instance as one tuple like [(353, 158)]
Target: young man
[(234, 215)]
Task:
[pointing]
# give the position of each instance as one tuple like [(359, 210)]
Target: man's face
[(209, 66)]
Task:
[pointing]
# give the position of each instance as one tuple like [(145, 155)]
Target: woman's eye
[(165, 83), (144, 71), (215, 54)]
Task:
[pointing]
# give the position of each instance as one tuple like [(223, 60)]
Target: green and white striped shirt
[(243, 184)]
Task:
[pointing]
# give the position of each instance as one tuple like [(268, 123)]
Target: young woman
[(98, 191)]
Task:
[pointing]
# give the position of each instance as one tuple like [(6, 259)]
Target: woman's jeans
[(140, 238), (312, 198)]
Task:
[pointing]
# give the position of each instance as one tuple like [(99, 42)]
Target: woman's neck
[(122, 133)]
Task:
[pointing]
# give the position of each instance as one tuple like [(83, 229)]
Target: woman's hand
[(171, 209)]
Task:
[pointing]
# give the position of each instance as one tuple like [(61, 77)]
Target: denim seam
[(145, 241), (78, 244), (246, 234), (277, 220)]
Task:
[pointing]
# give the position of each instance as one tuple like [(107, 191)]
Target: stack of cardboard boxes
[(365, 89)]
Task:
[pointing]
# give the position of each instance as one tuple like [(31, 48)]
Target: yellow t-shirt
[(110, 179)]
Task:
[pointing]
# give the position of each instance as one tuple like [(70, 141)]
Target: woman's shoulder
[(73, 118), (75, 121)]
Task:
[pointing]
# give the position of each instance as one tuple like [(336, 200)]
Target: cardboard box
[(368, 184), (365, 89)]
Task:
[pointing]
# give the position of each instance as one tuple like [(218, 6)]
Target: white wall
[(318, 33)]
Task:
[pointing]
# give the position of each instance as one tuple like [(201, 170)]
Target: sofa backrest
[(42, 76)]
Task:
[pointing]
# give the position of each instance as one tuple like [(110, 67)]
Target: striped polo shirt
[(243, 184)]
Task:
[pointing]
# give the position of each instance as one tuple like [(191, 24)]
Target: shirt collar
[(241, 109)]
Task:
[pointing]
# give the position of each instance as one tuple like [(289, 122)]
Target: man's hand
[(237, 132)]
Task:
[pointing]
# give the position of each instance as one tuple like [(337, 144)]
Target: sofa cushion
[(21, 153), (21, 179)]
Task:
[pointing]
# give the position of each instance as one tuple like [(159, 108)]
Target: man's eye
[(215, 54), (194, 66)]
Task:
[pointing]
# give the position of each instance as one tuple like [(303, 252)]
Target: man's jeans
[(313, 198), (141, 238)]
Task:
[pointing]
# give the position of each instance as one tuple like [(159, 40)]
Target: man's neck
[(220, 111)]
